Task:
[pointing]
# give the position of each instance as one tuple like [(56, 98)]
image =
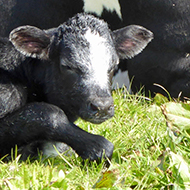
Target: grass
[(140, 136)]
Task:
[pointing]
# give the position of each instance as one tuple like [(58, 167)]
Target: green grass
[(140, 137)]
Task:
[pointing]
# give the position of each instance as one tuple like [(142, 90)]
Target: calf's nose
[(102, 106)]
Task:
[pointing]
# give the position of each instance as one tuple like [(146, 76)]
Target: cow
[(166, 61), (49, 78)]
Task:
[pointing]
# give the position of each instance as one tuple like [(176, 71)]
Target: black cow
[(166, 61), (49, 78)]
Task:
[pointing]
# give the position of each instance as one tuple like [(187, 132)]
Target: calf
[(49, 78)]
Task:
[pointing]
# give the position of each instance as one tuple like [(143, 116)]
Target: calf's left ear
[(131, 40), (30, 41)]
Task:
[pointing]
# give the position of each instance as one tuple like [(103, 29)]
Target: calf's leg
[(42, 121)]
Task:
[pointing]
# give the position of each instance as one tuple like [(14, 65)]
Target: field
[(148, 154)]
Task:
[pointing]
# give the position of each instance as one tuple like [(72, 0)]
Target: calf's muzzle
[(101, 108)]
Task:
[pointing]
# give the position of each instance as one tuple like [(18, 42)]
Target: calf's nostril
[(110, 108), (105, 109), (94, 107)]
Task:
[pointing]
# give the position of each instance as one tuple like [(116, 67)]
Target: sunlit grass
[(139, 134)]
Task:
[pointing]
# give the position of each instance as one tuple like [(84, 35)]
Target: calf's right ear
[(131, 40), (31, 41)]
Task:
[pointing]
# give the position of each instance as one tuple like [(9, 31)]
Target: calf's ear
[(30, 41), (131, 40)]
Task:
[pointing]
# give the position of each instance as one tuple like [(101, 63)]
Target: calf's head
[(85, 52)]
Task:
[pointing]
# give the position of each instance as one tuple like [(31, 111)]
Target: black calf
[(50, 78)]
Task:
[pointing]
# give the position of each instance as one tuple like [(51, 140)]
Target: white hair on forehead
[(100, 57), (97, 6)]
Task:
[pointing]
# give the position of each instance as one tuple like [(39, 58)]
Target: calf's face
[(92, 56), (86, 52)]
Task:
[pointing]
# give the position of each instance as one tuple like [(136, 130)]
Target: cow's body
[(166, 61), (50, 13), (50, 78), (44, 14)]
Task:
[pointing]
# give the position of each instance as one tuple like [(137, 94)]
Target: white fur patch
[(99, 59), (121, 79), (97, 6), (49, 149)]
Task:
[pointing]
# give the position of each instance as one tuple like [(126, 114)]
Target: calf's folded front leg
[(42, 121)]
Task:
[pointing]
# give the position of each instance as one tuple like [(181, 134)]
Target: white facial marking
[(100, 59), (97, 6)]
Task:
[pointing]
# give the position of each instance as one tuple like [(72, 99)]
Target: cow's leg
[(42, 121)]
